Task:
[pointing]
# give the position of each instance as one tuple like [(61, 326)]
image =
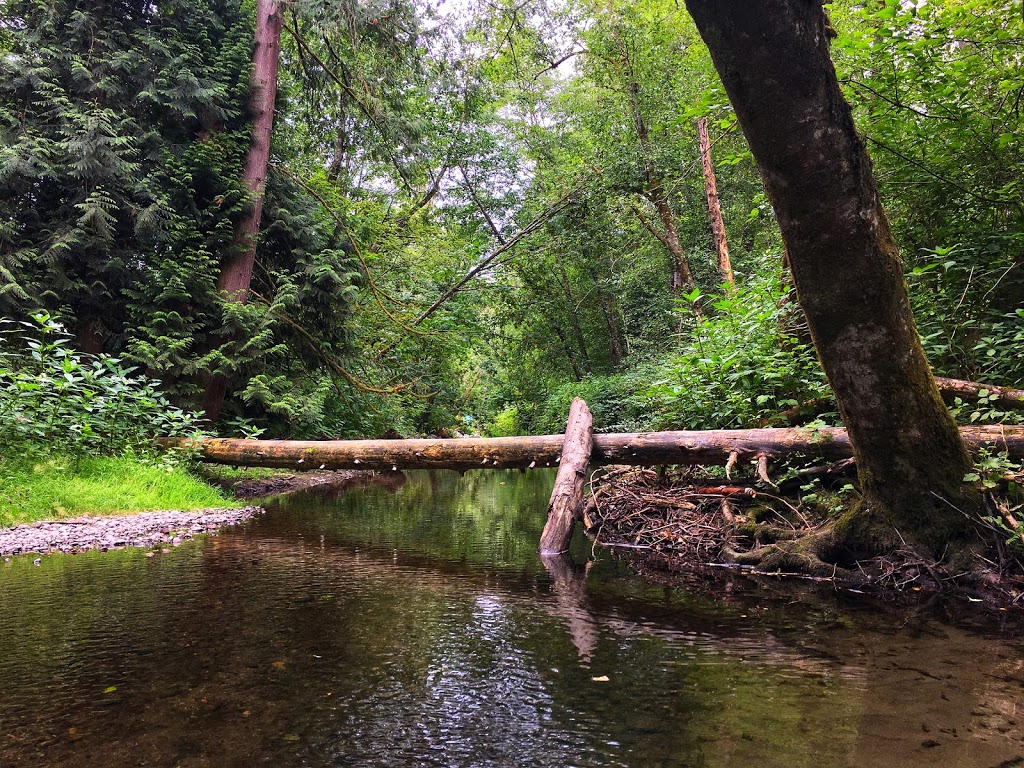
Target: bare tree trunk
[(236, 274), (714, 206), (681, 276), (773, 58), (92, 336)]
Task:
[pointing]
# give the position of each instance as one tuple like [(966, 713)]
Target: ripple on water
[(356, 630)]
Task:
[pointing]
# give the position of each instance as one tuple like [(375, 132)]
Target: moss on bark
[(774, 61)]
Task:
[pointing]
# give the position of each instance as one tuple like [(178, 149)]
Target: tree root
[(808, 554)]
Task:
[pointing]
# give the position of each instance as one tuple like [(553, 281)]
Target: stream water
[(416, 626)]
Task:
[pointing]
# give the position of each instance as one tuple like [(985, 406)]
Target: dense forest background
[(546, 151)]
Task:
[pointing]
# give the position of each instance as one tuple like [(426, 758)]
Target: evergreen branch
[(374, 289)]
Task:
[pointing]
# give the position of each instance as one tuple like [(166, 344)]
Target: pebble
[(145, 529)]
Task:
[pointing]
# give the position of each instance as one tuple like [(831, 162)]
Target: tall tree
[(773, 58), (236, 274), (714, 206)]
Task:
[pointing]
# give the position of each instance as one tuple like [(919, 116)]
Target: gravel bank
[(145, 529)]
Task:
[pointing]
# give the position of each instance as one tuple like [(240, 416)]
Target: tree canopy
[(473, 215)]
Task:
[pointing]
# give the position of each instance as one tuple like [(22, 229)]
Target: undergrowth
[(51, 488)]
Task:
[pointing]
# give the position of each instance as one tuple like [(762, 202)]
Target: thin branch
[(935, 174), (647, 225), (374, 289), (303, 45)]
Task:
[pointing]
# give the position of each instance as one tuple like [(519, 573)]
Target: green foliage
[(505, 423), (615, 401), (937, 90), (434, 140), (56, 487), (56, 401), (742, 363), (991, 468)]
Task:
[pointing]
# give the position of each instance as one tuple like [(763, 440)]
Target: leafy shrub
[(743, 364), (505, 423), (54, 400), (616, 401)]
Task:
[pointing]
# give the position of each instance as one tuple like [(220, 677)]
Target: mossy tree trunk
[(236, 274), (773, 58)]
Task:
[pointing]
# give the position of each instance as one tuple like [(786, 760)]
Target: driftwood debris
[(710, 447), (567, 497)]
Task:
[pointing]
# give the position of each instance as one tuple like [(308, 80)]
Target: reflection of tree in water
[(311, 637)]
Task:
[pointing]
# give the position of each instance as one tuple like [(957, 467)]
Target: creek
[(414, 625)]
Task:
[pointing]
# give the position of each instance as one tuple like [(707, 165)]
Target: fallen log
[(567, 496), (1008, 397), (711, 447)]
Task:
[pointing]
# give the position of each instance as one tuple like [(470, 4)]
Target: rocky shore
[(144, 529)]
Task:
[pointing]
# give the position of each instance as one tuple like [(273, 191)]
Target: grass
[(51, 489)]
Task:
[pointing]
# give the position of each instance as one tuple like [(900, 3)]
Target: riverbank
[(109, 503), (143, 529), (689, 520), (60, 488)]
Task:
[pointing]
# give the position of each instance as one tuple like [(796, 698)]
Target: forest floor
[(690, 520)]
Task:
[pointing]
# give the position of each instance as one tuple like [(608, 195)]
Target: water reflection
[(415, 625)]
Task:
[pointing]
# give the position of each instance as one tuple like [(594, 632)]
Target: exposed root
[(693, 520)]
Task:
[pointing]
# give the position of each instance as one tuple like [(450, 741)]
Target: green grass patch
[(52, 489)]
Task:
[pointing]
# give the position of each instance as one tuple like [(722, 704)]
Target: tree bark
[(236, 274), (773, 59), (714, 206), (710, 447), (681, 275), (567, 496)]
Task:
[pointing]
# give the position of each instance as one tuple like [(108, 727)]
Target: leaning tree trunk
[(236, 274), (773, 58), (655, 192), (714, 205)]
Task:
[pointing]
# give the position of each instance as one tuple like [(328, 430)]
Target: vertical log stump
[(567, 496)]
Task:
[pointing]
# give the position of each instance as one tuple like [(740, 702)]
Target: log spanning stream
[(412, 624), (579, 447)]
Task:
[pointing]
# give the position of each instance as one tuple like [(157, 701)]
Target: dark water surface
[(417, 627)]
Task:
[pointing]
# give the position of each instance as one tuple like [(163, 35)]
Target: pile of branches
[(688, 518), (684, 513)]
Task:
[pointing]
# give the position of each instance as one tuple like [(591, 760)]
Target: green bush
[(616, 401), (505, 423), (743, 364), (56, 401)]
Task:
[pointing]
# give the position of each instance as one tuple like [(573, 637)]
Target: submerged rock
[(144, 529)]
